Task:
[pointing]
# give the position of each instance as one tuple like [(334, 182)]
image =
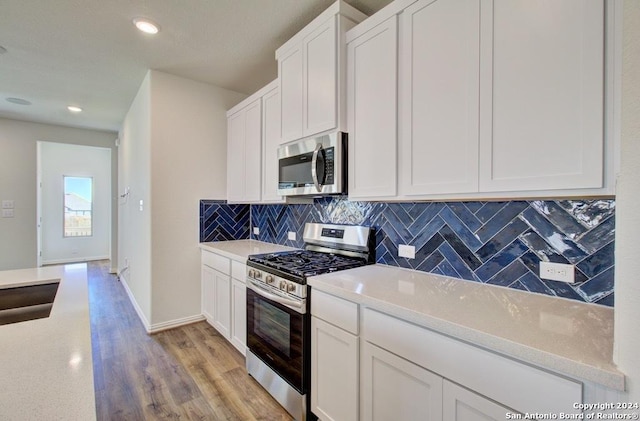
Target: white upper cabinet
[(542, 84), (320, 79), (311, 71), (483, 99), (439, 89), (270, 143), (244, 138), (253, 131), (291, 84), (372, 110)]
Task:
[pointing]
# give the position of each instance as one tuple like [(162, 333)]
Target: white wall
[(188, 163), (134, 226), (56, 161), (627, 306), (18, 166), (172, 154)]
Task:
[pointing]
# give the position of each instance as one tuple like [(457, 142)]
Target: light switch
[(8, 204), (7, 213), (256, 231)]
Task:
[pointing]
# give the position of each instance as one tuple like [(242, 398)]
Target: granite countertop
[(47, 370), (557, 334), (241, 249)]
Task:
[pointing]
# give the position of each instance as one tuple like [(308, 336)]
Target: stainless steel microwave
[(313, 166)]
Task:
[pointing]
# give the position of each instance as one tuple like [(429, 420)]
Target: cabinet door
[(542, 95), (320, 79), (222, 304), (208, 303), (395, 389), (460, 404), (252, 152), (236, 131), (439, 91), (372, 111), (239, 315), (290, 80), (334, 372), (270, 144), (244, 144)]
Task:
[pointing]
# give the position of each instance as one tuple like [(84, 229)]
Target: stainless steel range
[(278, 317)]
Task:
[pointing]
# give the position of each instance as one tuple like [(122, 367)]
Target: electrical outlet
[(407, 251), (557, 272), (291, 235), (8, 204), (7, 213), (256, 231)]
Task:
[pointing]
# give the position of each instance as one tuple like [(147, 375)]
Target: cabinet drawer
[(338, 312), (217, 262), (512, 383), (238, 270)]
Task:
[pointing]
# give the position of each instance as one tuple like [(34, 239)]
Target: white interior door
[(74, 203)]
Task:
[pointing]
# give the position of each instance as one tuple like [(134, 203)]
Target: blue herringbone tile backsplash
[(499, 243), (222, 222)]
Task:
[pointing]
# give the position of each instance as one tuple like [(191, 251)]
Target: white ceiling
[(88, 53)]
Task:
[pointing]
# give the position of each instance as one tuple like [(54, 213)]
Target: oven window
[(273, 326)]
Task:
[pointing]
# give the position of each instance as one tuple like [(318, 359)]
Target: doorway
[(74, 203)]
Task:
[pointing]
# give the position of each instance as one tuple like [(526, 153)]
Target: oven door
[(276, 334)]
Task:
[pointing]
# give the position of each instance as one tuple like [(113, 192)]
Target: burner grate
[(306, 263)]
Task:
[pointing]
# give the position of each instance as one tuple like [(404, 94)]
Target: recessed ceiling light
[(18, 101), (74, 109), (146, 26)]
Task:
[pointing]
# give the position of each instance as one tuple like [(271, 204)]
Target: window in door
[(78, 206)]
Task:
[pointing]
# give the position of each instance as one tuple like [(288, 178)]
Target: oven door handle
[(260, 290)]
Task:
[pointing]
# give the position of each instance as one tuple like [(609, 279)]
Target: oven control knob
[(291, 287), (251, 273), (269, 279), (258, 274), (283, 285)]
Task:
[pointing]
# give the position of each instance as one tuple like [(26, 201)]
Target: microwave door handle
[(314, 163), (294, 305)]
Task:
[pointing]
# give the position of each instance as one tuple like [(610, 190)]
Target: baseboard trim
[(76, 260), (157, 327), (134, 303)]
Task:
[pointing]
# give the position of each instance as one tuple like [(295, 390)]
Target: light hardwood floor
[(187, 373)]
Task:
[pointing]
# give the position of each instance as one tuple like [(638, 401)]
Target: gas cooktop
[(328, 248), (305, 263)]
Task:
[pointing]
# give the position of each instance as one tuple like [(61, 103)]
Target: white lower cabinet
[(224, 297), (334, 358), (207, 278), (222, 303), (334, 370), (239, 317), (368, 365), (396, 389), (460, 404)]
